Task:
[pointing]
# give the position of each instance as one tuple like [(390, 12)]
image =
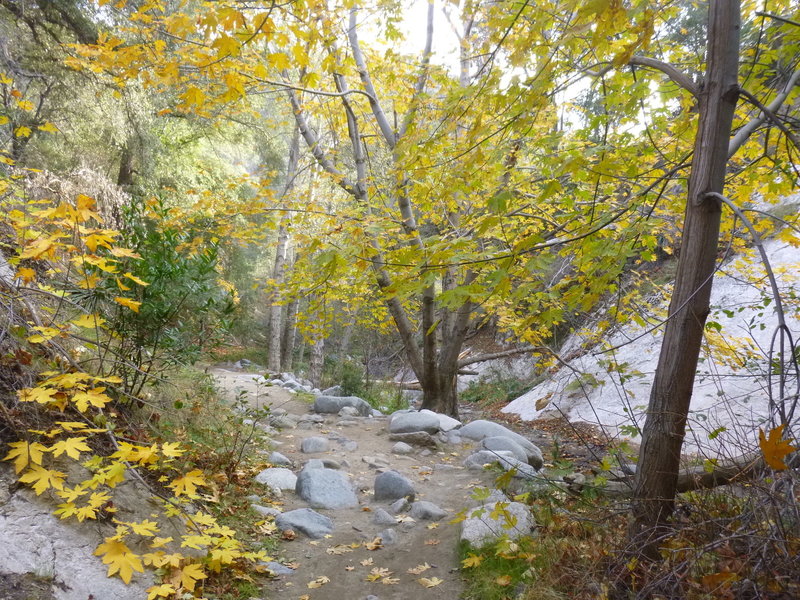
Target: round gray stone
[(427, 511), (277, 478), (276, 458), (314, 444), (411, 422), (402, 448), (478, 430), (391, 486), (326, 488), (306, 521), (499, 442), (482, 528)]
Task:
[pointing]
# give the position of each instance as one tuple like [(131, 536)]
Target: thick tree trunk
[(664, 430)]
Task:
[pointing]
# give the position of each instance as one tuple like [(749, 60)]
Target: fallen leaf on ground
[(431, 542), (374, 544), (429, 583), (318, 582), (367, 562), (433, 526), (503, 580), (419, 569)]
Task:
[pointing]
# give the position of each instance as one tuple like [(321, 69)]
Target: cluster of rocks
[(292, 383), (323, 484)]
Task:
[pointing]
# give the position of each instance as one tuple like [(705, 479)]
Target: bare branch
[(766, 112), (422, 77), (747, 130), (677, 76), (777, 18), (361, 64)]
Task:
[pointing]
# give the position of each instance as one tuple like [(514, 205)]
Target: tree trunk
[(664, 429), (317, 359), (276, 308), (289, 336)]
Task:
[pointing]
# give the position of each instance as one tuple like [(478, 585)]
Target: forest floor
[(344, 559)]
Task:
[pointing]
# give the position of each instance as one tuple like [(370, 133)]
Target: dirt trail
[(438, 477)]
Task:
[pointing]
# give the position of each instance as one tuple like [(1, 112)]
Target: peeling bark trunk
[(317, 360), (289, 336), (665, 428)]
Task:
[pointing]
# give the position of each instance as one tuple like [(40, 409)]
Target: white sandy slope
[(726, 395)]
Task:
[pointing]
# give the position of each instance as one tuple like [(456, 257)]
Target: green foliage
[(495, 389)]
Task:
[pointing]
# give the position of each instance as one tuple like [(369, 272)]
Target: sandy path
[(437, 477)]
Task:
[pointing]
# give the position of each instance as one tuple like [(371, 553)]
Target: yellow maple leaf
[(193, 96), (160, 591), (188, 483), (429, 583), (27, 275), (37, 394), (171, 449), (48, 127), (89, 321), (93, 396), (135, 279), (226, 46), (71, 446), (119, 559), (23, 454), (22, 131), (127, 302), (775, 447), (37, 248), (471, 561), (190, 574), (125, 253), (43, 479), (145, 527), (503, 580)]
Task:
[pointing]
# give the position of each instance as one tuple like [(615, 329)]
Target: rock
[(347, 423), (399, 506), (495, 495), (410, 422), (445, 467), (326, 488), (251, 498), (306, 521), (402, 448), (417, 438), (388, 537), (283, 421), (276, 458), (265, 511), (376, 413), (277, 478), (575, 482), (313, 444), (450, 437), (381, 517), (335, 390), (376, 462), (446, 422), (59, 553), (329, 463), (478, 430), (505, 459), (349, 411), (391, 485), (498, 442), (482, 529), (312, 419), (278, 569), (427, 511), (314, 463), (350, 446), (333, 404)]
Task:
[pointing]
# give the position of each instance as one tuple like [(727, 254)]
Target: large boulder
[(411, 422), (325, 488), (446, 422), (391, 485), (478, 430), (306, 521), (277, 479), (512, 519), (499, 442), (522, 470), (416, 438), (335, 390), (333, 404)]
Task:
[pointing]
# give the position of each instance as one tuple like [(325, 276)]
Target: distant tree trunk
[(317, 359), (126, 170), (289, 336), (276, 308), (665, 427)]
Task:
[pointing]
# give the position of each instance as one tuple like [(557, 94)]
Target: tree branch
[(771, 116), (677, 76), (422, 77), (495, 355), (361, 65), (747, 130)]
